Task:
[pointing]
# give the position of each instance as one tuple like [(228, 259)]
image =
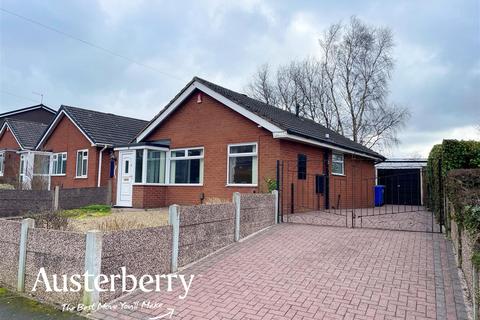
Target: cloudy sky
[(166, 43)]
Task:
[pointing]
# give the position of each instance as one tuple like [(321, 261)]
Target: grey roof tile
[(283, 119), (27, 133), (105, 128)]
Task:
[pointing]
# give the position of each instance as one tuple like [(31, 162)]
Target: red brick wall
[(304, 190), (7, 141), (148, 196), (356, 187), (67, 138), (212, 125), (12, 159)]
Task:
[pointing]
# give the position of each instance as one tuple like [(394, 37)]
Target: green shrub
[(451, 154), (271, 184)]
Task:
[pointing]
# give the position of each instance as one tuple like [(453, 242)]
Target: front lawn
[(92, 211)]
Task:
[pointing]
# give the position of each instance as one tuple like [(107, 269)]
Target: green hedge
[(451, 154), (462, 187)]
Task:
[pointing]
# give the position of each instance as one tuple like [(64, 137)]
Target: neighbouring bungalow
[(209, 142), (38, 113), (80, 143), (20, 164)]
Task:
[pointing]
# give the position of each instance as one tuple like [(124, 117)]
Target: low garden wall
[(59, 252), (142, 251), (195, 232), (256, 212), (18, 202), (9, 240), (21, 202), (205, 229), (81, 197)]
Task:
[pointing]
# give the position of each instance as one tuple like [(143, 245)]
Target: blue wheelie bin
[(379, 195)]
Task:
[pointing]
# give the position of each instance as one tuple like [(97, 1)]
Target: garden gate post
[(174, 221), (236, 202), (22, 257), (275, 194)]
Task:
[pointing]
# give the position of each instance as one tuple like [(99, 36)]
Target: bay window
[(242, 164), (59, 164), (186, 166), (156, 166), (139, 165), (338, 165)]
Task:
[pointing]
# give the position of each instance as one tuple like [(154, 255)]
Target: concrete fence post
[(93, 264), (236, 202), (174, 221), (275, 194), (22, 257), (475, 292), (56, 198)]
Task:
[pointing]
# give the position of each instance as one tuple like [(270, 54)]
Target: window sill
[(57, 175), (242, 185), (81, 177), (338, 174), (168, 185)]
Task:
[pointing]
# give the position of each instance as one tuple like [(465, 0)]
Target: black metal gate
[(310, 193)]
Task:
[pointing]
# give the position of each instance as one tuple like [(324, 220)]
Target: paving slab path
[(300, 271)]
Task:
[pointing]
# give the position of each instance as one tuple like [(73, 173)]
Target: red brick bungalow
[(209, 142), (80, 143), (19, 163)]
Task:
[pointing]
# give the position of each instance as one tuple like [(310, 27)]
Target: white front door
[(125, 178)]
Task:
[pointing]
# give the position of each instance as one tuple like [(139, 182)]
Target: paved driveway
[(295, 271)]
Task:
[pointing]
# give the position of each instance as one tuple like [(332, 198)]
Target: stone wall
[(9, 249), (142, 251), (20, 202), (59, 252), (205, 229), (257, 211)]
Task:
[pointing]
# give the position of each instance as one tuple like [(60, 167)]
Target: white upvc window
[(338, 164), (82, 164), (186, 166), (242, 168), (59, 164), (2, 161)]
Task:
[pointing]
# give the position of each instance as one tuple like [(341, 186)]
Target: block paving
[(301, 271)]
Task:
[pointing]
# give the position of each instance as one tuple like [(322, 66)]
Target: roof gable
[(26, 133), (281, 123), (98, 127)]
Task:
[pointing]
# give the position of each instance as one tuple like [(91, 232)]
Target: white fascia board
[(232, 105), (288, 136), (26, 110), (54, 125), (5, 126), (141, 148)]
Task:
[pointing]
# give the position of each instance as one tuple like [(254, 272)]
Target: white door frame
[(121, 171)]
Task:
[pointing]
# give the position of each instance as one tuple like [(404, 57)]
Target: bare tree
[(346, 90)]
